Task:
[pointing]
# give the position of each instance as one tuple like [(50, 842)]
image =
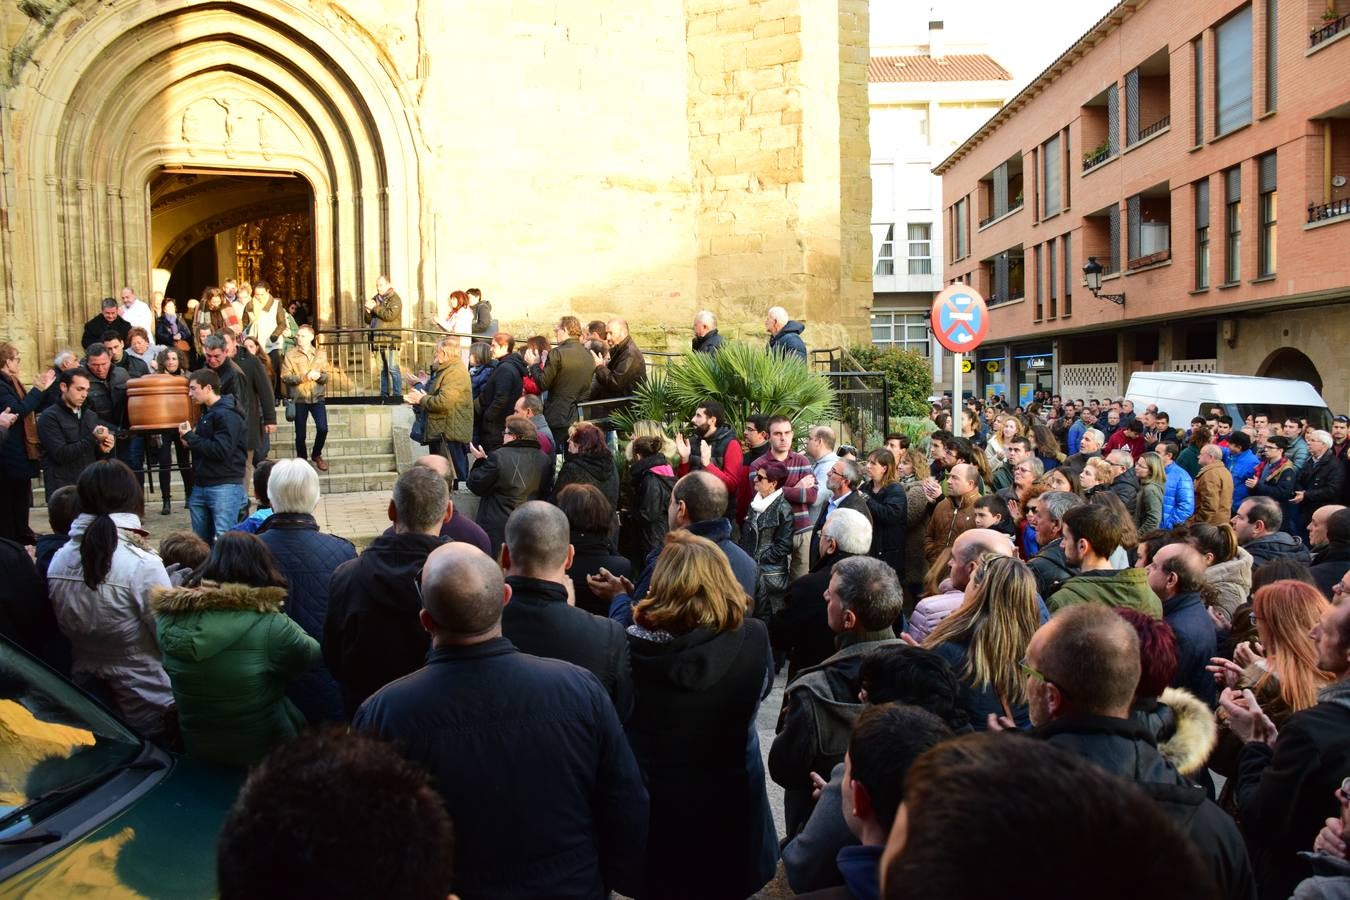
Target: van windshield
[(1317, 416)]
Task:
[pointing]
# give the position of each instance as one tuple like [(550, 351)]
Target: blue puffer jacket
[(1242, 466), (1178, 497), (307, 558)]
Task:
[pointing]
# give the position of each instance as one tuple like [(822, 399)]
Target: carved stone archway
[(113, 93)]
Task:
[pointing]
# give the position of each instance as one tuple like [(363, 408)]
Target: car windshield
[(52, 737)]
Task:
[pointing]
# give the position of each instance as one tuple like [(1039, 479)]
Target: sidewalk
[(358, 517)]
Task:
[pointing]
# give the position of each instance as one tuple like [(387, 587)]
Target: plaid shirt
[(800, 499)]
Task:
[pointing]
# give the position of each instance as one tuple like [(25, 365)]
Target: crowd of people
[(1069, 642)]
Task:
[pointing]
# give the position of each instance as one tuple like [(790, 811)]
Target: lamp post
[(1092, 273)]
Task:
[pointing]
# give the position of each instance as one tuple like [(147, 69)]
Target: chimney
[(935, 38)]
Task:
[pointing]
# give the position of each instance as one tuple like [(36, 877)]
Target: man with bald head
[(1176, 573), (458, 527), (967, 549), (1082, 668), (620, 376), (1213, 488), (953, 513), (1317, 528), (517, 746), (542, 619)]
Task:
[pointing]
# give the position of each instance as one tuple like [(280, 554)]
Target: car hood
[(162, 846)]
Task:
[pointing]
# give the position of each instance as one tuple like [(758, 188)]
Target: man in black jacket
[(69, 436), (1333, 558), (506, 477), (109, 317), (544, 791), (819, 705), (107, 397), (706, 338), (1049, 565), (566, 377), (371, 635), (540, 620), (842, 483), (1322, 480), (801, 629), (499, 395), (1082, 669), (1286, 780), (261, 414), (217, 445), (1125, 485)]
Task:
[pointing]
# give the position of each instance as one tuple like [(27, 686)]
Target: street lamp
[(1092, 273)]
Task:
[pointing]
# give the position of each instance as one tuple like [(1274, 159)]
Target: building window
[(1040, 278), (1051, 282), (960, 222), (921, 249), (1272, 51), (1069, 269), (1198, 53), (1266, 248), (900, 329), (1232, 199), (886, 252), (1202, 234), (1233, 78), (1053, 160)]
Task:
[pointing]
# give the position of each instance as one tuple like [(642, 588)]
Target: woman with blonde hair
[(1005, 428), (1286, 678), (985, 639), (700, 669), (1096, 476), (1152, 480)]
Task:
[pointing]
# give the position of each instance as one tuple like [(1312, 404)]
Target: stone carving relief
[(234, 125)]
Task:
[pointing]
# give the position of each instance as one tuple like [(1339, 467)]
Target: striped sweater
[(800, 499)]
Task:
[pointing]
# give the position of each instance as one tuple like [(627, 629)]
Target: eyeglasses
[(1028, 670), (1254, 619)]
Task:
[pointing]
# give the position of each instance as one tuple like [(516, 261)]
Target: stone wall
[(647, 160)]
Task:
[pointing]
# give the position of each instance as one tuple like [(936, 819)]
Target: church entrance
[(208, 225)]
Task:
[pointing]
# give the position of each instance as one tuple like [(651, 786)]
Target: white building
[(924, 104)]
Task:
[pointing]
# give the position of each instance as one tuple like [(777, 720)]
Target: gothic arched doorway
[(110, 97), (1287, 362)]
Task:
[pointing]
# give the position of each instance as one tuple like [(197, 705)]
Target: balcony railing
[(1329, 30), (1156, 127), (998, 215), (995, 299), (1333, 210), (1091, 160)]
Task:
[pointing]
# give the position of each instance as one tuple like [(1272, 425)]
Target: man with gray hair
[(1213, 488), (371, 635), (820, 443), (863, 601), (542, 620), (706, 338), (801, 630), (1322, 478), (785, 334), (458, 527), (1125, 485), (508, 738), (1089, 447), (841, 484), (1049, 565), (308, 558)]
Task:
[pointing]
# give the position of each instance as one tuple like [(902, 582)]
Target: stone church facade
[(647, 158)]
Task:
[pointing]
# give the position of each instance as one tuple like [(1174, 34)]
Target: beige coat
[(295, 369), (1213, 495)]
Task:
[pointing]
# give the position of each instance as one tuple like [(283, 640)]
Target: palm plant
[(744, 378)]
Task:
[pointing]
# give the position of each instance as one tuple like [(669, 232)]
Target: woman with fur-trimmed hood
[(230, 651), (1181, 724)]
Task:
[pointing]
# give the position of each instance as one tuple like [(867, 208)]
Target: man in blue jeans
[(385, 312), (218, 455)]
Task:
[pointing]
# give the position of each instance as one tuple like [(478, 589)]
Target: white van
[(1185, 395)]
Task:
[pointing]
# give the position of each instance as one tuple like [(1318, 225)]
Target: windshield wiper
[(145, 759)]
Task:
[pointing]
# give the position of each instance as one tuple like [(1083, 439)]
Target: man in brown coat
[(1213, 488), (954, 513)]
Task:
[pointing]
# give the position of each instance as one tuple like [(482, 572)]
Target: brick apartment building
[(1200, 152)]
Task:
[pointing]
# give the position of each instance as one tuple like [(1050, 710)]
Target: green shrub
[(745, 378), (910, 376)]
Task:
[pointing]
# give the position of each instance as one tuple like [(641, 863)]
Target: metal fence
[(356, 362)]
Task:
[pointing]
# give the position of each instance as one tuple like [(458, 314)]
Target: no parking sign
[(960, 319)]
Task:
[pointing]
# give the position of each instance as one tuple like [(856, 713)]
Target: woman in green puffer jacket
[(230, 651)]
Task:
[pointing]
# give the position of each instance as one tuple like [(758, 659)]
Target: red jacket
[(1119, 440)]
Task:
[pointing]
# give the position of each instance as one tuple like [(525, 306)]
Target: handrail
[(1328, 31), (1332, 210)]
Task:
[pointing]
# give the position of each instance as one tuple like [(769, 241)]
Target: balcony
[(1152, 259), (1148, 89), (1016, 205), (1328, 31), (1095, 157), (1100, 128), (1324, 211), (1161, 125), (1000, 191)]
